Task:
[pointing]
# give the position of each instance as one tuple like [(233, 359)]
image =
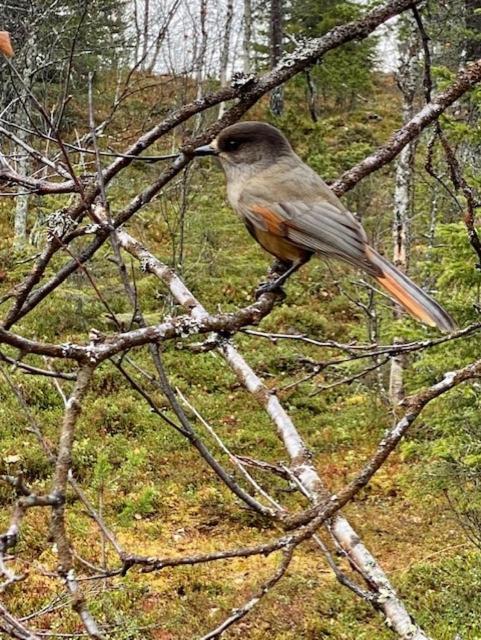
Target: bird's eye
[(232, 145)]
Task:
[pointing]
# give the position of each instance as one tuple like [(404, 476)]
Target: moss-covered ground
[(161, 499)]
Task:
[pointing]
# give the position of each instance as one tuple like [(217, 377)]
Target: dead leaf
[(5, 44)]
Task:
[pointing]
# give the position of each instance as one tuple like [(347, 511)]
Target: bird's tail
[(411, 297)]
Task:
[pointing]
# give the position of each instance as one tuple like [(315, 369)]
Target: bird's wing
[(322, 227), (319, 227)]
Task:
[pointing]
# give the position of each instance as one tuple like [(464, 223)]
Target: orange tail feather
[(411, 297)]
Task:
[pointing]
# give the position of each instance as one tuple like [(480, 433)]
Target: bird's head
[(247, 143)]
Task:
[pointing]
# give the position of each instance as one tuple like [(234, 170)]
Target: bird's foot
[(270, 287), (279, 267)]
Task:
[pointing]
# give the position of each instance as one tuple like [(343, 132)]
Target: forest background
[(98, 509)]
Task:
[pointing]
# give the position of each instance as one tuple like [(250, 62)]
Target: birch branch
[(249, 90), (104, 347), (13, 627), (242, 611), (25, 302), (347, 538), (59, 490)]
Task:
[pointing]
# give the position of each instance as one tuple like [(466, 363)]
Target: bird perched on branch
[(293, 214)]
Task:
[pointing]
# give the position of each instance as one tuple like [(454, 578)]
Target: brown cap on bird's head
[(5, 44), (252, 132), (247, 143)]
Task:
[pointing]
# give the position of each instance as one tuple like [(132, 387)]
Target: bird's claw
[(270, 287)]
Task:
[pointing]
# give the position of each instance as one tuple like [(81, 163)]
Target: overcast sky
[(183, 37)]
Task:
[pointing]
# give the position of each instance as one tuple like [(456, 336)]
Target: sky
[(183, 37)]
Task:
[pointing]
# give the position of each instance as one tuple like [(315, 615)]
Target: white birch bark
[(23, 161), (397, 617), (276, 36), (224, 56), (145, 34), (407, 78), (138, 32), (247, 39), (22, 199)]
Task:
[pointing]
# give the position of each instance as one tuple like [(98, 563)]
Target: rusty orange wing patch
[(273, 222)]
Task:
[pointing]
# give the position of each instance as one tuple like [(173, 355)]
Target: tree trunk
[(23, 162), (145, 35), (21, 201), (407, 82), (277, 95), (200, 58), (224, 56), (246, 43), (161, 34), (138, 33)]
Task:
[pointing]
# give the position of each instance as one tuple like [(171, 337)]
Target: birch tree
[(225, 50), (247, 37), (46, 67), (407, 78), (276, 41)]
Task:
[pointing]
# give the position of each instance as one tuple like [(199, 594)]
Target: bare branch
[(13, 627), (465, 80), (242, 611), (302, 467)]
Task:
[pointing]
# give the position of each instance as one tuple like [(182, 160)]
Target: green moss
[(157, 494)]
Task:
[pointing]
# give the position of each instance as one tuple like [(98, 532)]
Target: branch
[(249, 90), (59, 489), (286, 69), (13, 627), (455, 171), (188, 432), (465, 80), (34, 153), (460, 182), (151, 563), (358, 351), (344, 534), (415, 404), (233, 459), (105, 347), (241, 612), (36, 371)]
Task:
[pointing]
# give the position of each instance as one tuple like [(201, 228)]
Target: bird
[(293, 214)]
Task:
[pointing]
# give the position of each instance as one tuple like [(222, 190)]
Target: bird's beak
[(206, 150)]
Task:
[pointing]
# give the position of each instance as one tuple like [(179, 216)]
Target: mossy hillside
[(161, 498)]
